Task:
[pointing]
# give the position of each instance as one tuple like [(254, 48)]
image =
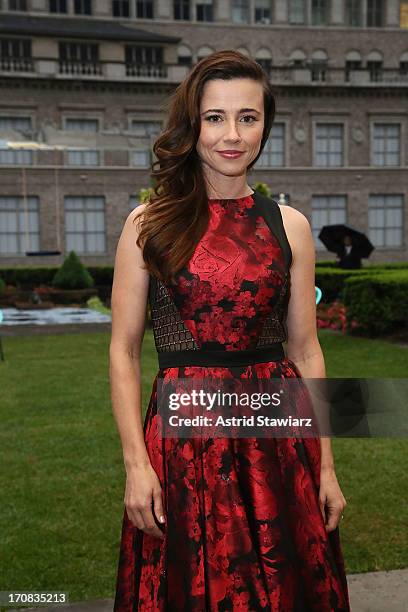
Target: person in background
[(348, 257)]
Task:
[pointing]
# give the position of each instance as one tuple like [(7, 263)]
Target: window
[(145, 128), (297, 12), (15, 157), (20, 124), (184, 57), (319, 12), (329, 144), (79, 52), (79, 58), (318, 70), (350, 66), (144, 9), (140, 158), (146, 131), (403, 68), (17, 5), (386, 144), (120, 8), (19, 224), (353, 13), (74, 124), (85, 224), (385, 219), (240, 11), (203, 52), (327, 210), (58, 6), (181, 9), (82, 7), (204, 10), (263, 11), (375, 68), (83, 157), (144, 61), (273, 153), (375, 13), (15, 55), (265, 62), (297, 59)]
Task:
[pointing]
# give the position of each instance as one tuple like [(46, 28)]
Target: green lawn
[(62, 477)]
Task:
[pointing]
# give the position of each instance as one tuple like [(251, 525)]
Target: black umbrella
[(332, 237)]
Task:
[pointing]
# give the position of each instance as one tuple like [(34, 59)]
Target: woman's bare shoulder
[(293, 217), (136, 212), (127, 244), (296, 224)]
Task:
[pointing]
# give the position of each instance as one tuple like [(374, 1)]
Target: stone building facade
[(84, 86)]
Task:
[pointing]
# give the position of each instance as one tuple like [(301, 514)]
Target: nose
[(231, 131)]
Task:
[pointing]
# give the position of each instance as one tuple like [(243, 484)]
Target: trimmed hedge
[(331, 280), (28, 278), (2, 286), (72, 274), (397, 265), (378, 302)]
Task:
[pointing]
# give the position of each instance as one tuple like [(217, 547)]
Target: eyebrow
[(221, 110)]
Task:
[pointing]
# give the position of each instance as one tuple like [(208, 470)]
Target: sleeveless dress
[(243, 530)]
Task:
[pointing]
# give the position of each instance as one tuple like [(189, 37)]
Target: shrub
[(331, 280), (72, 274), (379, 302), (263, 189), (2, 286), (95, 304)]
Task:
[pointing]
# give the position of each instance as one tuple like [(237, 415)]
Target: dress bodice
[(233, 293)]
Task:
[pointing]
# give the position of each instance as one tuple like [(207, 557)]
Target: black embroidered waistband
[(212, 358)]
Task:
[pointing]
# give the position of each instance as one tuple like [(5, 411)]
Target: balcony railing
[(16, 64), (146, 70), (314, 74), (327, 75), (80, 67)]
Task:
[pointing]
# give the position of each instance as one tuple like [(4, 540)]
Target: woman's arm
[(303, 347), (129, 302)]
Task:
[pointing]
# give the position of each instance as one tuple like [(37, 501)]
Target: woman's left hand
[(331, 499)]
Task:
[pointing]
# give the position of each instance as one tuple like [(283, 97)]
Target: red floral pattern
[(244, 530)]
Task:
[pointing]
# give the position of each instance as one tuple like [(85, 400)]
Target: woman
[(220, 523)]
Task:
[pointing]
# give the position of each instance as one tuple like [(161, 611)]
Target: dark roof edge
[(77, 28)]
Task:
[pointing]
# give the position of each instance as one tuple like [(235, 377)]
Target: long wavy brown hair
[(177, 212)]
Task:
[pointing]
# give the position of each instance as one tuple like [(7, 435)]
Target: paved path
[(369, 592)]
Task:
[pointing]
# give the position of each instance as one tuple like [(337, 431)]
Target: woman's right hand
[(142, 488)]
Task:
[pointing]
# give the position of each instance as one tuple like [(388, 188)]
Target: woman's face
[(232, 118)]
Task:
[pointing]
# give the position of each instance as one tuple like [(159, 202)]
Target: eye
[(209, 117)]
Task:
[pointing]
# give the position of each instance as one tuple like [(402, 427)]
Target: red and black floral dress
[(244, 530)]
